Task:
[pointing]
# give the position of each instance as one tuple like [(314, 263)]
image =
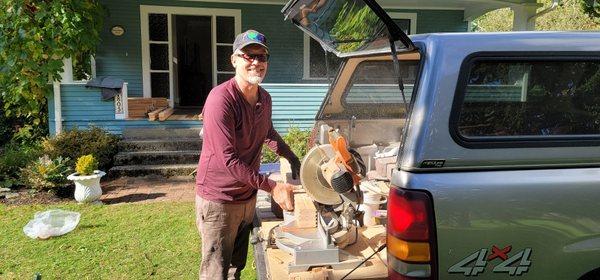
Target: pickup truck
[(497, 171)]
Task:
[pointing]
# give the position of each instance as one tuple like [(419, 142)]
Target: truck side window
[(536, 98)]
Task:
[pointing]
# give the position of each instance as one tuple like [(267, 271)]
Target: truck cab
[(493, 138)]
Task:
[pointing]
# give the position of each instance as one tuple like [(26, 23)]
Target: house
[(178, 50)]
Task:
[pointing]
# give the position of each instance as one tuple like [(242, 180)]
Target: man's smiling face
[(248, 66)]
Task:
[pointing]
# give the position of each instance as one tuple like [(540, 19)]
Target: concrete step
[(166, 170), (157, 157), (132, 145), (160, 133)]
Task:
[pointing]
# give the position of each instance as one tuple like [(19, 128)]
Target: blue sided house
[(170, 53)]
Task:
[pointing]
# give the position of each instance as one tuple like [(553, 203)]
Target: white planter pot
[(87, 188)]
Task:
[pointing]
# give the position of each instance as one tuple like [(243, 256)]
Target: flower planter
[(87, 187)]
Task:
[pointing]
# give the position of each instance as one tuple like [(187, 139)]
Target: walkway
[(154, 189), (148, 189)]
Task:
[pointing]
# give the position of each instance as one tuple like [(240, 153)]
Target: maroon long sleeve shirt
[(234, 132)]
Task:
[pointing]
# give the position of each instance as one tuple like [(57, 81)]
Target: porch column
[(67, 75), (57, 108), (521, 20)]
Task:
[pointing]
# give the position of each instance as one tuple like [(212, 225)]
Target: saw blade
[(312, 178)]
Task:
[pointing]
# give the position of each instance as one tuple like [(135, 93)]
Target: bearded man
[(236, 123)]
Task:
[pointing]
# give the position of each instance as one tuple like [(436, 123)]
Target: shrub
[(13, 158), (296, 138), (46, 173), (86, 165), (76, 143)]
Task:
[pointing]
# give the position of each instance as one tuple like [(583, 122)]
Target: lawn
[(126, 241)]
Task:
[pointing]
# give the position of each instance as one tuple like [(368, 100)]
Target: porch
[(72, 105)]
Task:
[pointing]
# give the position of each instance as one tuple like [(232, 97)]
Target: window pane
[(159, 84), (225, 29), (404, 24), (318, 68), (159, 57), (158, 27), (224, 59), (376, 82), (531, 98), (223, 77)]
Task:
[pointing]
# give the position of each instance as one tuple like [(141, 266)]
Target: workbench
[(272, 263)]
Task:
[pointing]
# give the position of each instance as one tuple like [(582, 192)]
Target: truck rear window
[(376, 82), (535, 98)]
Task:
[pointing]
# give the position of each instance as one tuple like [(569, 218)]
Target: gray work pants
[(224, 230)]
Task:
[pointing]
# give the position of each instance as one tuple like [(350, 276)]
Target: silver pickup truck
[(496, 173)]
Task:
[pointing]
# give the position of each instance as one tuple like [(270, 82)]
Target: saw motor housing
[(342, 170)]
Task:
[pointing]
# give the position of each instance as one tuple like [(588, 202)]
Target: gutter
[(554, 5)]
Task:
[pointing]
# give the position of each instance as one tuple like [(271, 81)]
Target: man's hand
[(283, 194), (295, 166)]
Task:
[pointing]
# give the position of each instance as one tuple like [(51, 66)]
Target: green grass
[(127, 241)]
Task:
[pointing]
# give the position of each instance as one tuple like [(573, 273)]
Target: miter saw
[(330, 174)]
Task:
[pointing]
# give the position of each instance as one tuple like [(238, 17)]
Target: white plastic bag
[(50, 223)]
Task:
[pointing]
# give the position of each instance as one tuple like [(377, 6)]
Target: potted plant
[(87, 180)]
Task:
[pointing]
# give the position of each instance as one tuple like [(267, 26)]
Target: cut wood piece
[(305, 211), (165, 114), (153, 116)]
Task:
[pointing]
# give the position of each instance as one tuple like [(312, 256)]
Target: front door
[(185, 51), (192, 59)]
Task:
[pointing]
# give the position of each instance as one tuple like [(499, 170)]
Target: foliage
[(296, 138), (36, 37), (86, 165), (592, 8), (13, 158), (125, 241), (76, 143), (46, 173), (354, 23), (568, 16)]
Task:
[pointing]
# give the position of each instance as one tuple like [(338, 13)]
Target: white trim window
[(158, 46), (314, 55)]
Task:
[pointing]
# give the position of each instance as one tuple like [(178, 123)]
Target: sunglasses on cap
[(263, 57)]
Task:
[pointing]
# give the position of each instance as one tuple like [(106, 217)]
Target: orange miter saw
[(330, 170), (330, 174)]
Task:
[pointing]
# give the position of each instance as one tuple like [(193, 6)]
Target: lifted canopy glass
[(347, 27)]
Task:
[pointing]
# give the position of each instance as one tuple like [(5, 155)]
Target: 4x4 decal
[(476, 262)]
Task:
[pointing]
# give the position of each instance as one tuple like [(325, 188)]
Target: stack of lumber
[(305, 211), (140, 107)]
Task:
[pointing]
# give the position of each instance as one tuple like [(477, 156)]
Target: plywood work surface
[(369, 240)]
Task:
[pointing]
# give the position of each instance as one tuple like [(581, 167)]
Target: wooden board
[(165, 114), (305, 211)]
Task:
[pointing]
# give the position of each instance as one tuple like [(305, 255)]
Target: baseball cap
[(248, 38)]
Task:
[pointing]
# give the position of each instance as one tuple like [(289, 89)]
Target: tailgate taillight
[(410, 235)]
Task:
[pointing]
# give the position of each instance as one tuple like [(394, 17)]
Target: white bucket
[(371, 202)]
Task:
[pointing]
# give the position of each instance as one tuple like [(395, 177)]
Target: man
[(236, 122)]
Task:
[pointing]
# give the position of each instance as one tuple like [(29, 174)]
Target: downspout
[(554, 5)]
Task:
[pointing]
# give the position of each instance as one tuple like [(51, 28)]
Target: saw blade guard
[(311, 175)]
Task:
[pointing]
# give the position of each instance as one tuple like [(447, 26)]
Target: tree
[(570, 15), (592, 8), (36, 36)]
